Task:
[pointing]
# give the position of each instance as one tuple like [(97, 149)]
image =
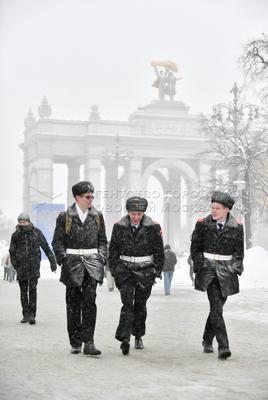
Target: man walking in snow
[(217, 251), (136, 257), (80, 246)]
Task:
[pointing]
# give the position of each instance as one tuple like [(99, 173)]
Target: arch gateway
[(160, 143)]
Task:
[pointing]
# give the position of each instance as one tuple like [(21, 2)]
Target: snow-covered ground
[(36, 362)]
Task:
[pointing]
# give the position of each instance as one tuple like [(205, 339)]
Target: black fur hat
[(223, 198), (136, 204), (82, 187)]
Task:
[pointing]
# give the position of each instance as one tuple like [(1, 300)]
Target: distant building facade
[(6, 228), (161, 139)]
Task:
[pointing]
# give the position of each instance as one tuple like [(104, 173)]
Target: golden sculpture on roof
[(165, 78)]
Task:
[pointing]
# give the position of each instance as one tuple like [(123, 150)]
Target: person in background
[(12, 271), (25, 257), (6, 263), (217, 251), (169, 268)]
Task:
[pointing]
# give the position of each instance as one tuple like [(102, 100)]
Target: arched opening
[(166, 184)]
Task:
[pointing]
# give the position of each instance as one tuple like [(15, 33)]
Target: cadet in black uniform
[(217, 251), (136, 257), (80, 246)]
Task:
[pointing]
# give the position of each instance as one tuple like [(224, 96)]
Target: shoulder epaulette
[(68, 222), (157, 223), (98, 221), (201, 220)]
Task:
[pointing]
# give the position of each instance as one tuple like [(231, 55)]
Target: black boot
[(90, 349), (138, 343), (76, 350), (207, 348), (224, 353), (32, 320), (24, 320), (125, 346)]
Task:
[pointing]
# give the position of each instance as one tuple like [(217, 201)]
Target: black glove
[(53, 267), (102, 258), (158, 274)]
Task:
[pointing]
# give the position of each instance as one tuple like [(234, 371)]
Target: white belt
[(81, 252), (137, 259), (217, 257)]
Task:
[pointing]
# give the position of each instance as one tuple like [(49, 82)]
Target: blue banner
[(44, 217)]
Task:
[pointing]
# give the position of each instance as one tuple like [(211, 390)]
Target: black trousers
[(28, 296), (81, 311), (134, 311), (215, 325)]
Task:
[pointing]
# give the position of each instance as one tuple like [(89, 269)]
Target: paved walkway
[(36, 363)]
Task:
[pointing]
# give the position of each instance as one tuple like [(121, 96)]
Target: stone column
[(45, 177), (190, 203), (175, 214), (112, 195), (40, 185), (133, 177), (172, 207), (93, 169), (204, 172), (26, 182), (73, 177)]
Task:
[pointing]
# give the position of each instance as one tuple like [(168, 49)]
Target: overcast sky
[(84, 52)]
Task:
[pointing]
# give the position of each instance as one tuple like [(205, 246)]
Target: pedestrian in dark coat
[(136, 257), (80, 245), (25, 257), (169, 268), (217, 251)]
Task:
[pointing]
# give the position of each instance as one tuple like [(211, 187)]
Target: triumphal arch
[(160, 141)]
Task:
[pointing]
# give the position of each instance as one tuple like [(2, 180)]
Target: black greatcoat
[(230, 241), (25, 251), (147, 241), (88, 235)]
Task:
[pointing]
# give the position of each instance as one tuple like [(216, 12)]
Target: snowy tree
[(240, 146), (254, 61)]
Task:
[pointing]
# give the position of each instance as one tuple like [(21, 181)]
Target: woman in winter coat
[(25, 256)]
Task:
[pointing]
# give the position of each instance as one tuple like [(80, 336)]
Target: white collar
[(136, 226), (222, 222), (82, 215)]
